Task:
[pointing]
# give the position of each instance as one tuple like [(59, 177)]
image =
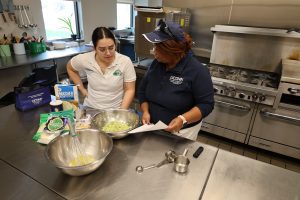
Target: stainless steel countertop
[(15, 185), (116, 178), (235, 177), (21, 60)]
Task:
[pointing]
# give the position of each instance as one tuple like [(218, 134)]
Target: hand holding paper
[(149, 127)]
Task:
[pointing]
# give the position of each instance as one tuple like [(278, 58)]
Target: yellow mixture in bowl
[(115, 126), (81, 160)]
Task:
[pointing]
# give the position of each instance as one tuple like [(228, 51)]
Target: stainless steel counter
[(116, 178), (214, 175), (235, 177), (15, 185), (21, 60)]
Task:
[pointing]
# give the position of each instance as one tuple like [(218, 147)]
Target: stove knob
[(262, 98), (242, 95), (232, 92), (254, 97), (226, 91)]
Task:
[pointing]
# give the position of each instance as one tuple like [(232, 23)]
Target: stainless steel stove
[(253, 103), (248, 85)]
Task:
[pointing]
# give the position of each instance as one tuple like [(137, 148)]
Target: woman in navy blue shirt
[(177, 89)]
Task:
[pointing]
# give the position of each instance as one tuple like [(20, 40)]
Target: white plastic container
[(59, 45), (19, 48)]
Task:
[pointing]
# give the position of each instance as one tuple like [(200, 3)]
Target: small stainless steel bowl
[(95, 143), (126, 116)]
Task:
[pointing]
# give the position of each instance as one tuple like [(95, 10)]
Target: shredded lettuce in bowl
[(115, 126)]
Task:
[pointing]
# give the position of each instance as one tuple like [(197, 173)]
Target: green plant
[(68, 24)]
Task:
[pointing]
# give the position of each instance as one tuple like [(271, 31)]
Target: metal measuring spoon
[(140, 169), (170, 157)]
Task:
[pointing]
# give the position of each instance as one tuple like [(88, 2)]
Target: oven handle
[(235, 106), (267, 113)]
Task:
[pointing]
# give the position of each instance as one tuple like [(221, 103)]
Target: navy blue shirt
[(176, 91)]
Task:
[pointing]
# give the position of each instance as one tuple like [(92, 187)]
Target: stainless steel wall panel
[(262, 13), (256, 52), (278, 16)]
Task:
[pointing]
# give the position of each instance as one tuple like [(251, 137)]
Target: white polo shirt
[(105, 91)]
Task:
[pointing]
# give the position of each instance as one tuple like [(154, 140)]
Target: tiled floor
[(251, 152)]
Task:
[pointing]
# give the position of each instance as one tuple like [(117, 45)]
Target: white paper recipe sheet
[(149, 127)]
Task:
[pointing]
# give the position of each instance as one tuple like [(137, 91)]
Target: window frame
[(77, 25), (132, 21)]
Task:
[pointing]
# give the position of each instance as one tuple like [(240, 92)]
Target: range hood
[(148, 3)]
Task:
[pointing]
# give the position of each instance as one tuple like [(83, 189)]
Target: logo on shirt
[(176, 80), (117, 73)]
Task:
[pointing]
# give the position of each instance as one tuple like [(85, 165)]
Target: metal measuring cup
[(170, 157), (181, 162)]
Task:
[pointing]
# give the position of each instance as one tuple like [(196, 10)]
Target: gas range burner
[(264, 79)]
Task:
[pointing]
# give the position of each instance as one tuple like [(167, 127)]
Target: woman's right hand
[(85, 93), (146, 118)]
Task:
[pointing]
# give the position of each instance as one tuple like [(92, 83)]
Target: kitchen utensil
[(104, 117), (181, 163), (2, 13), (198, 152), (80, 157), (11, 10), (21, 20), (6, 8), (140, 169), (30, 16), (26, 15), (97, 144), (170, 157)]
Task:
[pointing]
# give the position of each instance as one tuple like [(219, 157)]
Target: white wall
[(97, 13)]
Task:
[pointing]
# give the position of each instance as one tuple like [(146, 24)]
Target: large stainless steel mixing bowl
[(126, 116), (60, 151)]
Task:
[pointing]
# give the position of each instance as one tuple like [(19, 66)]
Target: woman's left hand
[(175, 125)]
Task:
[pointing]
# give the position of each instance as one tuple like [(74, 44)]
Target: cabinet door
[(280, 125), (231, 114)]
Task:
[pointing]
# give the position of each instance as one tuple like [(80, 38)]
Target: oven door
[(281, 126), (230, 118)]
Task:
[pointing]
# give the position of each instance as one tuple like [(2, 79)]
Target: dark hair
[(176, 49), (100, 33)]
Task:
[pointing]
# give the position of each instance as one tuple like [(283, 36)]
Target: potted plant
[(68, 25)]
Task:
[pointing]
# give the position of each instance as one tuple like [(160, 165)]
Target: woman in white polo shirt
[(111, 76)]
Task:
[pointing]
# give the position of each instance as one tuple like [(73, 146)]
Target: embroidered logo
[(117, 73), (176, 80)]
